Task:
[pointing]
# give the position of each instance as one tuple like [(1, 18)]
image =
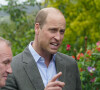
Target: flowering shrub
[(79, 55), (89, 67), (68, 47), (98, 46)]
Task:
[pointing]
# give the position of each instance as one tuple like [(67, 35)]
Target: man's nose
[(9, 69), (57, 36)]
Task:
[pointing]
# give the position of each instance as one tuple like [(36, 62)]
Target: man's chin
[(2, 84), (53, 51)]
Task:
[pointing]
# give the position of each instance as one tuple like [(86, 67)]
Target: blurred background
[(82, 31), (82, 17)]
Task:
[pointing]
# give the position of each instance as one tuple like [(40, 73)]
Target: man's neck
[(47, 56)]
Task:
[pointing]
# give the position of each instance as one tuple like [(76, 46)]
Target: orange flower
[(98, 48), (73, 57), (89, 52), (79, 55), (81, 69)]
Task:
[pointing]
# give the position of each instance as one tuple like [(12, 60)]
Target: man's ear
[(37, 27)]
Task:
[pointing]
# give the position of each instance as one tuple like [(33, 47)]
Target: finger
[(59, 83), (56, 76), (56, 83)]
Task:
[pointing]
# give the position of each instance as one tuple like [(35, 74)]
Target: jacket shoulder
[(66, 58)]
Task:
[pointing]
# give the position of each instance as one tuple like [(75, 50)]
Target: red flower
[(68, 47), (98, 48), (80, 55), (89, 52), (73, 57)]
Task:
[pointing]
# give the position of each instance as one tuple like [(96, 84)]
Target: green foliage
[(20, 27), (19, 38), (89, 65)]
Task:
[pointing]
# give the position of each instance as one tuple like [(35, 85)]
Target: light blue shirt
[(47, 73)]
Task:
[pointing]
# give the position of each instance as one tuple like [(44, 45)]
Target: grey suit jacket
[(26, 75)]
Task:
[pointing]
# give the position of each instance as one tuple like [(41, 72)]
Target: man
[(40, 66), (5, 60)]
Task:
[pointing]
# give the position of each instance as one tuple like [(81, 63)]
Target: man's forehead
[(55, 17), (3, 45), (5, 50), (5, 57), (52, 11)]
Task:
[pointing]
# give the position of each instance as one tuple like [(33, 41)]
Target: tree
[(20, 29)]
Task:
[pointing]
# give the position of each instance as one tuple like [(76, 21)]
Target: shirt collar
[(35, 55)]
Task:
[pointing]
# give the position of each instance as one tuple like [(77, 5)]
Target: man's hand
[(55, 85)]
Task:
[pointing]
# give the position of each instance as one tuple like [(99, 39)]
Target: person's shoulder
[(20, 55), (17, 60), (17, 57), (66, 58), (64, 55)]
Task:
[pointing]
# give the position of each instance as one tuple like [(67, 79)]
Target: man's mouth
[(54, 45), (5, 77)]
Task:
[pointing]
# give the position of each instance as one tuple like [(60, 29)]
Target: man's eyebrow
[(52, 28)]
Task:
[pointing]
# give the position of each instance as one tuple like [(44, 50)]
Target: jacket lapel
[(32, 70), (60, 67)]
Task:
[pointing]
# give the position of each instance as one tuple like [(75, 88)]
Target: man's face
[(5, 60), (51, 35)]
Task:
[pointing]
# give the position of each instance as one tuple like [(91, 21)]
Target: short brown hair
[(41, 18), (42, 15)]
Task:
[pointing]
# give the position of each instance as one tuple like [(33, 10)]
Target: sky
[(4, 2)]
